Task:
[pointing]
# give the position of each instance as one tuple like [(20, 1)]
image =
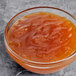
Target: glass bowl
[(39, 67)]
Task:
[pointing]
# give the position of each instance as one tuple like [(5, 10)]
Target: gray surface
[(8, 8)]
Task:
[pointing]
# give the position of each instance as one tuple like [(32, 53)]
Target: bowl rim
[(19, 57)]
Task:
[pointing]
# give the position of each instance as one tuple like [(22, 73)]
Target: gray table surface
[(8, 8)]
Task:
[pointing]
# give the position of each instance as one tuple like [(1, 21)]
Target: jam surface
[(42, 37)]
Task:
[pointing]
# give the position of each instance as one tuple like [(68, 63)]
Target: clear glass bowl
[(39, 67)]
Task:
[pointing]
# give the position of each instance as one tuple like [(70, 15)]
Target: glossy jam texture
[(42, 37)]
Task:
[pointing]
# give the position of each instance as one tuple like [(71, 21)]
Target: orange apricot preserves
[(42, 37)]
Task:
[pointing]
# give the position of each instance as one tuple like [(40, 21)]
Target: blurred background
[(8, 8)]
